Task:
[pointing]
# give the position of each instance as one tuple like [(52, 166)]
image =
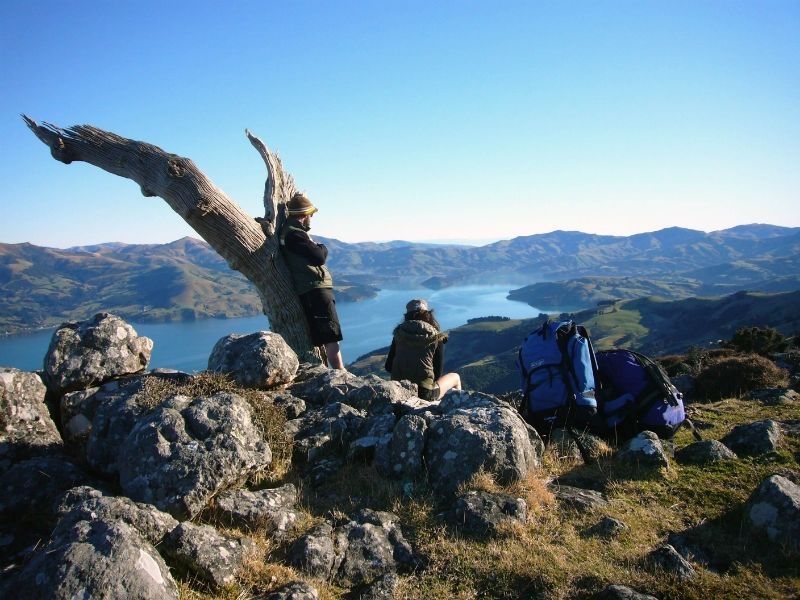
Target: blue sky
[(412, 120)]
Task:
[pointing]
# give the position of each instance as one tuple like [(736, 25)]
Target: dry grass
[(551, 556)]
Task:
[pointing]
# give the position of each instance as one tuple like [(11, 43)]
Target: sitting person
[(417, 353)]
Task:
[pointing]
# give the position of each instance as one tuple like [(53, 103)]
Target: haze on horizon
[(455, 121)]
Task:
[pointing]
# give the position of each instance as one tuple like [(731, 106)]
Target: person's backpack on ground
[(558, 368), (637, 395)]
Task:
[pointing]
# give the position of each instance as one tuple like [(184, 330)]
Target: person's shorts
[(320, 308), (429, 395)]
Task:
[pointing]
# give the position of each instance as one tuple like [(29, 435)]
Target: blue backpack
[(637, 395), (557, 366)]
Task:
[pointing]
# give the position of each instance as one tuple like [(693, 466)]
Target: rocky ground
[(264, 478)]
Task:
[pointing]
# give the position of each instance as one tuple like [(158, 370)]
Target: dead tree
[(249, 245)]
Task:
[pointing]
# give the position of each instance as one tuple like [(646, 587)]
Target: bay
[(366, 325)]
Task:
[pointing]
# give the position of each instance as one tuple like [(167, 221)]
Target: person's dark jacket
[(416, 353), (305, 258)]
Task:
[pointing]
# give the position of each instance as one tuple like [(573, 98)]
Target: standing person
[(417, 353), (311, 278)]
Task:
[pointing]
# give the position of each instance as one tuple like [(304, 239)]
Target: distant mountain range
[(186, 279)]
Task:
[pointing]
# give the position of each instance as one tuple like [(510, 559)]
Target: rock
[(84, 354), (323, 469), (644, 450), (492, 438), (578, 498), (775, 396), (77, 411), (464, 399), (205, 552), (27, 429), (774, 509), (621, 592), (606, 528), (31, 487), (272, 509), (688, 548), (293, 407), (479, 513), (380, 589), (371, 546), (86, 503), (331, 428), (187, 450), (704, 452), (753, 439), (96, 559), (314, 552), (370, 394), (667, 559), (259, 360), (296, 590), (402, 456), (359, 552)]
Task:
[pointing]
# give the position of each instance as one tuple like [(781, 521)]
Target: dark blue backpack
[(557, 366), (637, 395)]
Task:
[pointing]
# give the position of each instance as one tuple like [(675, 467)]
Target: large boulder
[(31, 487), (401, 456), (187, 450), (100, 558), (85, 503), (774, 508), (206, 553), (259, 360), (370, 394), (481, 513), (481, 434), (752, 439), (359, 552), (272, 509), (83, 354), (26, 429)]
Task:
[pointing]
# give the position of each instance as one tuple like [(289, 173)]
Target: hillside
[(186, 279), (485, 353), (183, 280)]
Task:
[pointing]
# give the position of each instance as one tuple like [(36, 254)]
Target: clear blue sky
[(412, 120)]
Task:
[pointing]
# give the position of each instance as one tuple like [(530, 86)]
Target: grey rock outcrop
[(205, 552), (479, 513), (775, 396), (401, 457), (486, 434), (96, 559), (27, 429), (753, 439), (666, 558), (621, 592), (578, 498), (704, 452), (774, 509), (83, 354), (85, 503), (356, 553), (273, 509), (607, 528), (32, 486), (644, 450), (187, 450), (370, 394), (258, 360), (295, 590)]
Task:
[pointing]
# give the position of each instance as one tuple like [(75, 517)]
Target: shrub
[(734, 376), (761, 340)]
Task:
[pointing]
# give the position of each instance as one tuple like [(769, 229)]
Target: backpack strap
[(524, 407)]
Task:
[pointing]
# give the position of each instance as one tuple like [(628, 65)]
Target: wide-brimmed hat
[(300, 206), (416, 304)]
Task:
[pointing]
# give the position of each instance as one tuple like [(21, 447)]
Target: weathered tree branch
[(234, 234)]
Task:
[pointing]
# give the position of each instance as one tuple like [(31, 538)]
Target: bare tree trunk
[(248, 245)]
